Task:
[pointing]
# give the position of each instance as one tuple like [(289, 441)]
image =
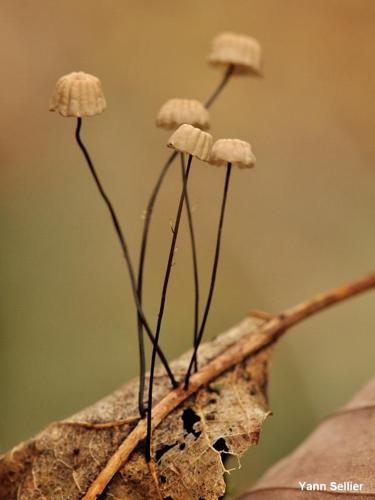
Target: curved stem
[(213, 275), (215, 94), (248, 343), (142, 257), (194, 256), (123, 244), (162, 303)]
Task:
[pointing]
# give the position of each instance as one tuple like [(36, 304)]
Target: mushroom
[(80, 95), (229, 152)]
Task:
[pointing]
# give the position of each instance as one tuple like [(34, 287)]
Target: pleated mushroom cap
[(233, 151), (78, 94), (191, 140), (243, 52), (176, 112)]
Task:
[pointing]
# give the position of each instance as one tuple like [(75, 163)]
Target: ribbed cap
[(78, 94), (244, 52), (233, 151), (191, 140), (176, 112)]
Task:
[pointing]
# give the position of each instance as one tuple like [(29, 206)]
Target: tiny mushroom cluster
[(80, 95), (197, 143), (223, 152)]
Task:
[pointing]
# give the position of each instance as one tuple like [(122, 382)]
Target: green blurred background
[(300, 222)]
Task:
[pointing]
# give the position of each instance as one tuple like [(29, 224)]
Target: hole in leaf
[(189, 418), (221, 446), (159, 453)]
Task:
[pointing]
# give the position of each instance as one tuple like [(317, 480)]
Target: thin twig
[(162, 304), (123, 245), (213, 275), (240, 350)]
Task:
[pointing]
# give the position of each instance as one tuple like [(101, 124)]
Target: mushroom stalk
[(213, 275), (185, 175), (194, 256), (142, 257), (124, 247), (215, 94)]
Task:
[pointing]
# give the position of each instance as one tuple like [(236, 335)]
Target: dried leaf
[(340, 450), (188, 446)]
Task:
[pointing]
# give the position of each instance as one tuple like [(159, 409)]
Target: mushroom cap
[(242, 51), (233, 151), (176, 112), (78, 94), (191, 140)]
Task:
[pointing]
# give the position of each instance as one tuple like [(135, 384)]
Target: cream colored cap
[(176, 112), (191, 140), (78, 94), (233, 151), (244, 52)]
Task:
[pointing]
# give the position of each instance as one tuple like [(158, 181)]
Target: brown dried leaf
[(188, 446), (341, 449)]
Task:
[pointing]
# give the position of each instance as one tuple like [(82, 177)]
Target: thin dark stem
[(123, 244), (194, 255), (162, 304), (215, 94), (142, 256), (145, 233), (213, 275)]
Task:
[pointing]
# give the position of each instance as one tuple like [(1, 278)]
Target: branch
[(246, 346)]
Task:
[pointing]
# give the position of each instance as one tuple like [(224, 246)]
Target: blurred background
[(302, 221)]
